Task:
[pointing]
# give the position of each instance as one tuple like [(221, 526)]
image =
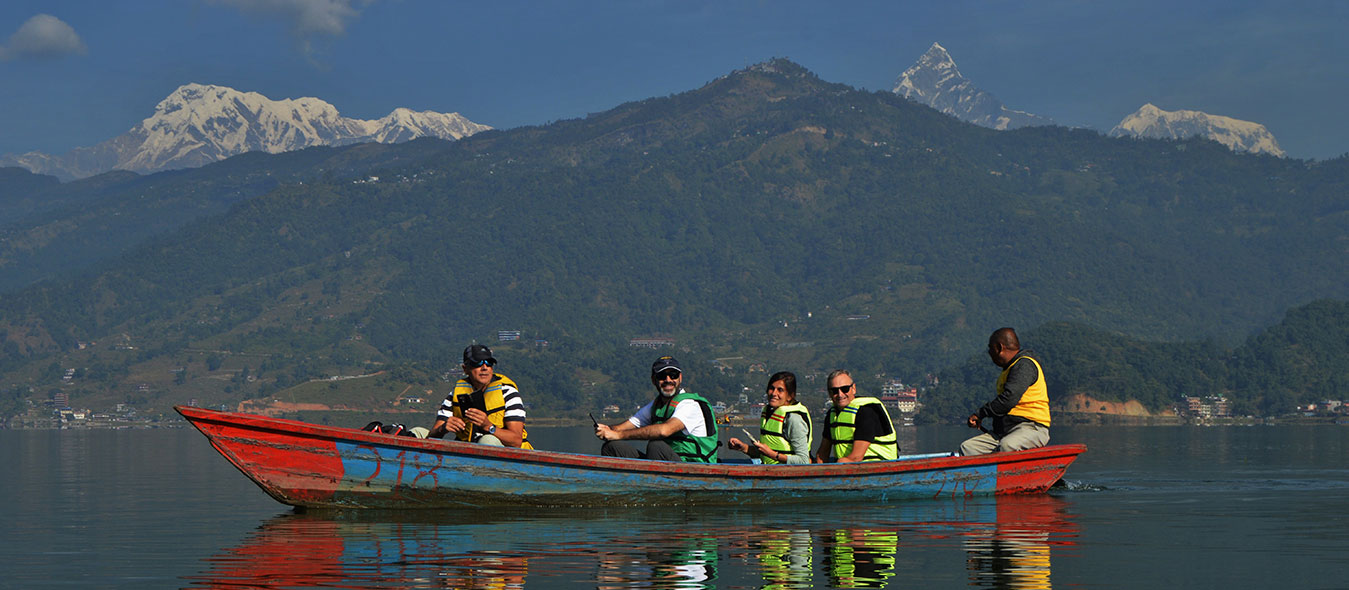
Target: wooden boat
[(315, 466)]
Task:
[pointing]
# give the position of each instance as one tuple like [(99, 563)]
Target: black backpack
[(393, 429)]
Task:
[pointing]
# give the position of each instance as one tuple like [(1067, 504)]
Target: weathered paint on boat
[(317, 466)]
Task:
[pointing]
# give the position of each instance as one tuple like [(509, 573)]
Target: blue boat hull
[(318, 466)]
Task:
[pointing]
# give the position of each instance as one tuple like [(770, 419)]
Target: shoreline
[(347, 417)]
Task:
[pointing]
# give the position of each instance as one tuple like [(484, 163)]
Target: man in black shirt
[(856, 428)]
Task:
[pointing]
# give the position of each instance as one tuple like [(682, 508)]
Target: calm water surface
[(1159, 507)]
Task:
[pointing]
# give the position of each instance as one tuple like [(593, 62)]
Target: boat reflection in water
[(682, 560), (785, 558), (1006, 543), (1015, 551), (860, 557)]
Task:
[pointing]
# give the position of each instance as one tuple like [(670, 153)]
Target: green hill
[(49, 229), (767, 219)]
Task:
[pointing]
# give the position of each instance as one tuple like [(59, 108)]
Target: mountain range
[(1240, 136), (934, 80), (767, 219), (199, 124)]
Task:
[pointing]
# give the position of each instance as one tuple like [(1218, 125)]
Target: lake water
[(1146, 507)]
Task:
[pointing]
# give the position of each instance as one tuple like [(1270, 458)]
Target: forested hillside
[(49, 229), (767, 220)]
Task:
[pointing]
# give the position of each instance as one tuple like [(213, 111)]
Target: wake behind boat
[(315, 466)]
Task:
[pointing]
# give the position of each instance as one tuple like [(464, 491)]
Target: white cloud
[(43, 37), (306, 18)]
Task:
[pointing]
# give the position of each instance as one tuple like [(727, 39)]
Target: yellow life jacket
[(489, 400), (842, 427), (1034, 404), (771, 430)]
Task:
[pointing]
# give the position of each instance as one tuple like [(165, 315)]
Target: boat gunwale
[(239, 420)]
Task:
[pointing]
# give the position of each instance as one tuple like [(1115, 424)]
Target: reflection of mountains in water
[(797, 547)]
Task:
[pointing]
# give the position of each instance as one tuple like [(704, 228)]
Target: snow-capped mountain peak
[(404, 124), (934, 70), (934, 80), (198, 124), (1149, 121)]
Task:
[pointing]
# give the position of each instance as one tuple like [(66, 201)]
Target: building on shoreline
[(895, 394), (1213, 406)]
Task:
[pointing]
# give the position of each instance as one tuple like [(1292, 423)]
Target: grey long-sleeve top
[(797, 433)]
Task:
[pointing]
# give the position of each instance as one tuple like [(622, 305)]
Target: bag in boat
[(392, 429)]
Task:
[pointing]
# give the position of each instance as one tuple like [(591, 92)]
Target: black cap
[(476, 353), (665, 363)]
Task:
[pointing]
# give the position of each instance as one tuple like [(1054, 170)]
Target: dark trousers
[(656, 450)]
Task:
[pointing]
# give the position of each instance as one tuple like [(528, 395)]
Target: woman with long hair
[(785, 427)]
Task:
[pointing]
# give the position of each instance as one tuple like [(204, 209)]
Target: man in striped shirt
[(485, 406)]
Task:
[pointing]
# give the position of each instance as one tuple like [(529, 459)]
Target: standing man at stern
[(485, 406), (677, 425), (1021, 411)]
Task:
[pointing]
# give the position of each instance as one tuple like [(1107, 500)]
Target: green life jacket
[(694, 449), (771, 430), (842, 427)]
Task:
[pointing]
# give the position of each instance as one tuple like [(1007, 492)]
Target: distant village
[(56, 413), (1217, 406)]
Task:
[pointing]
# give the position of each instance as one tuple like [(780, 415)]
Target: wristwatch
[(492, 429)]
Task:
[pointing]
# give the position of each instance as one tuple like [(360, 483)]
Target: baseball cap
[(476, 353), (665, 363)]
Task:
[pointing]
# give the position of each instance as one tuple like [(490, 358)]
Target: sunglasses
[(476, 364), (671, 375), (840, 389)]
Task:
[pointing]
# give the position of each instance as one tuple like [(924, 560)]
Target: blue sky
[(76, 72)]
